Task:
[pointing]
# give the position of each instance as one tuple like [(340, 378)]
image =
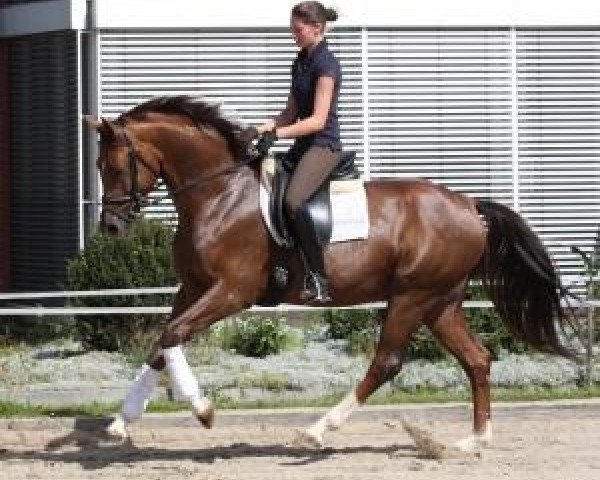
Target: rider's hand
[(265, 142), (247, 135)]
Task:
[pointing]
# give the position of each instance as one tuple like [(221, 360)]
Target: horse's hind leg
[(452, 331), (403, 318)]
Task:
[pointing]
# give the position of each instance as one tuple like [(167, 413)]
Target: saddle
[(319, 205)]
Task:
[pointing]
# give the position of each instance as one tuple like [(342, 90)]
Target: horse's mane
[(198, 111)]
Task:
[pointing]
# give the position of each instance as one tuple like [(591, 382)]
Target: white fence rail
[(88, 293), (42, 310), (582, 303)]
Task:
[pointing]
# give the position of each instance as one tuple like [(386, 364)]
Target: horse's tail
[(521, 280)]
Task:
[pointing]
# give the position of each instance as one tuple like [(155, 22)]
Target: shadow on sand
[(89, 446)]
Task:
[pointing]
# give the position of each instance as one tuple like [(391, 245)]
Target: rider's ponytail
[(314, 12), (331, 15)]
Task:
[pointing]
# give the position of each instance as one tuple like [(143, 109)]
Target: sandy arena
[(551, 440)]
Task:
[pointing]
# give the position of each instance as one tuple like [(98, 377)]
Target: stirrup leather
[(316, 288)]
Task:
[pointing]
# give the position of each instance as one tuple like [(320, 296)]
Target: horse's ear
[(92, 122), (104, 127), (108, 129)]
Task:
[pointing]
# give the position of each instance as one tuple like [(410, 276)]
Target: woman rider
[(310, 117)]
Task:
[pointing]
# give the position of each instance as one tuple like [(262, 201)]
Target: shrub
[(34, 329), (483, 322), (140, 259), (591, 270), (342, 324), (489, 326), (425, 346), (358, 327), (363, 342), (254, 336)]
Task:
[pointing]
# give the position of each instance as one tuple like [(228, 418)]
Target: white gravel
[(60, 373)]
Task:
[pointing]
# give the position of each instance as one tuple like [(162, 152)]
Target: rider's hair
[(314, 12)]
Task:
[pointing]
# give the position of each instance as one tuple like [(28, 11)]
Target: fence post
[(590, 329)]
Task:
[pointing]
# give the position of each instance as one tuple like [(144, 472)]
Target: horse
[(425, 244)]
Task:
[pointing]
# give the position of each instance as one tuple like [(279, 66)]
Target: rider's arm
[(316, 122), (287, 116)]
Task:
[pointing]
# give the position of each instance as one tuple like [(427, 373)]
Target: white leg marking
[(140, 392), (185, 385), (135, 402), (477, 440), (332, 419), (118, 428)]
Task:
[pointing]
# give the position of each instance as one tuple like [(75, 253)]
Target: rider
[(311, 118)]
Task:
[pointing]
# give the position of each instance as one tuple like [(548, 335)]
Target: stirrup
[(316, 289)]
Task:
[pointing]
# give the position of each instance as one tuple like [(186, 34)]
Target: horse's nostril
[(112, 229)]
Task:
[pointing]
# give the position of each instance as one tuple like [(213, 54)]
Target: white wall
[(261, 13), (23, 19)]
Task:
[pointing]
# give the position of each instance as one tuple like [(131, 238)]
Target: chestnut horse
[(425, 243)]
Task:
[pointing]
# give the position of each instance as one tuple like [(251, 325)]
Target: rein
[(138, 200)]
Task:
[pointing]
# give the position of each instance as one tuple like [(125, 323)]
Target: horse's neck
[(189, 159), (194, 164)]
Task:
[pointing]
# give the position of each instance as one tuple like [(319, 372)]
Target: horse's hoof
[(476, 441), (471, 444), (308, 439), (118, 429), (204, 411)]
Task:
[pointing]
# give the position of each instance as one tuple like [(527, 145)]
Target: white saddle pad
[(349, 212)]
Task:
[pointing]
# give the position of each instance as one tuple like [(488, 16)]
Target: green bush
[(591, 270), (358, 327), (363, 342), (142, 258), (483, 322), (424, 346), (486, 323), (253, 336), (33, 329), (342, 324)]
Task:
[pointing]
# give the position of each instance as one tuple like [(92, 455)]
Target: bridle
[(135, 196)]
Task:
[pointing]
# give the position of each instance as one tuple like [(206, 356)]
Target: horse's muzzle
[(112, 224)]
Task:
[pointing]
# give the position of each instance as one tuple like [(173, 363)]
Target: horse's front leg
[(216, 303), (147, 377)]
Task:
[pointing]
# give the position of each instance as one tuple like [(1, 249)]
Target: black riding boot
[(316, 286)]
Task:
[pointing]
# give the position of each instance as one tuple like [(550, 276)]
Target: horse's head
[(129, 169)]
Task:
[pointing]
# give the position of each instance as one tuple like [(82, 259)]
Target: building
[(496, 99)]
